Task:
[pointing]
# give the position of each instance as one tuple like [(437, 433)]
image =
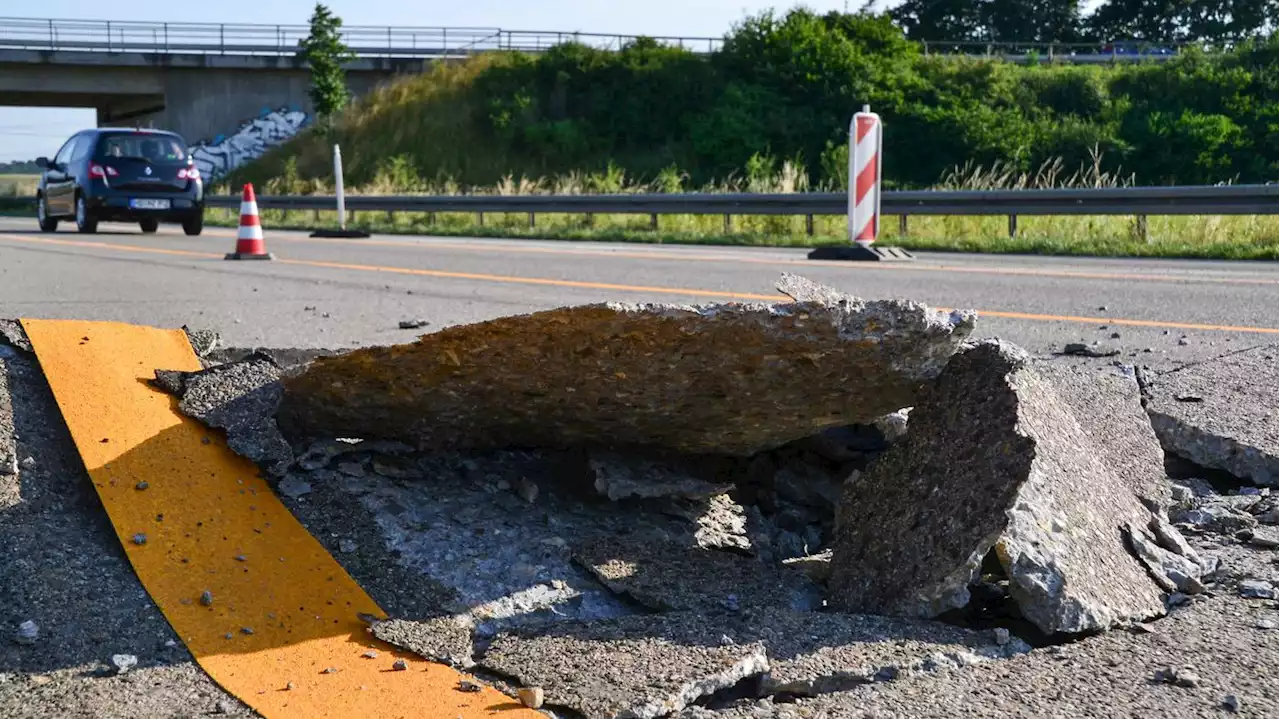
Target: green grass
[(1207, 237)]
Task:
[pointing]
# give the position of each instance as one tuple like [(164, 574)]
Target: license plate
[(144, 204)]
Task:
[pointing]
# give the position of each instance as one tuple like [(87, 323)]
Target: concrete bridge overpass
[(232, 90)]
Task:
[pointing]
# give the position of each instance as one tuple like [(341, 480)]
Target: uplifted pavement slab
[(668, 576), (994, 459), (726, 378), (637, 667), (1221, 413), (1107, 402)]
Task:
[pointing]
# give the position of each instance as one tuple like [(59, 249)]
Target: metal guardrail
[(1182, 200), (370, 41), (249, 39)]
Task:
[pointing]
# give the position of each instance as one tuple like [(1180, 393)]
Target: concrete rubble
[(667, 576), (637, 376), (1220, 413), (445, 639), (995, 460)]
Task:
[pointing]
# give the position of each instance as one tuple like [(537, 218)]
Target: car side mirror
[(42, 163)]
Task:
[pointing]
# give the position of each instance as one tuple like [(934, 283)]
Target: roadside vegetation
[(1192, 237)]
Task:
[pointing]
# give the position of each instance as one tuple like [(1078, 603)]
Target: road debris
[(27, 633), (123, 662)]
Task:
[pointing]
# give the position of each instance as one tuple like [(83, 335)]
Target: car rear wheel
[(47, 224), (149, 226), (193, 226), (85, 222)]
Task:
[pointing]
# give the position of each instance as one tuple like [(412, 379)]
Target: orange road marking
[(280, 630), (1159, 324)]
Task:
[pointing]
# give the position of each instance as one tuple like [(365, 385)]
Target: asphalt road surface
[(343, 293)]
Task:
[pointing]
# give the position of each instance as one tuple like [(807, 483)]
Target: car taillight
[(189, 173), (102, 172)]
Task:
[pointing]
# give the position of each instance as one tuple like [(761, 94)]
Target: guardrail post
[(653, 222), (431, 219), (902, 225), (1013, 226), (108, 36), (222, 39), (533, 221), (1141, 227), (53, 37), (728, 224), (480, 219), (166, 37), (391, 216), (589, 219), (808, 225)]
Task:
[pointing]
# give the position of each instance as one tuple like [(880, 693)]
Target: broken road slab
[(1221, 413), (626, 375), (995, 459)]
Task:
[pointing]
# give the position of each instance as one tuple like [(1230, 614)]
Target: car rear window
[(155, 148)]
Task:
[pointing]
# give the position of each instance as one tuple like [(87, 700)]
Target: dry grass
[(18, 185)]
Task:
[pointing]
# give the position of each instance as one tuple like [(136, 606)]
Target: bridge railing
[(249, 39)]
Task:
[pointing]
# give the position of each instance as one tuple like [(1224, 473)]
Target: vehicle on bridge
[(121, 175)]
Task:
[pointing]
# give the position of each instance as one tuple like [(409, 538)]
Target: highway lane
[(361, 289)]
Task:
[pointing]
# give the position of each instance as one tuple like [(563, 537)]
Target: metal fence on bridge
[(249, 39)]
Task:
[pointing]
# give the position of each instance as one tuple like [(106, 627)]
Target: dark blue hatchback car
[(124, 175)]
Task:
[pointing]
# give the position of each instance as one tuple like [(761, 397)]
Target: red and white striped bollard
[(865, 135)]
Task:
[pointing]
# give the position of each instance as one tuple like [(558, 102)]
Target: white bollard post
[(865, 135), (337, 184)]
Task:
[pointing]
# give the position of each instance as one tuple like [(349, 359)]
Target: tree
[(929, 20), (1040, 21), (1182, 20), (325, 52)]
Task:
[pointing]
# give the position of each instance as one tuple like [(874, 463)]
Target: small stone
[(1257, 589), (1178, 676), (527, 490), (123, 662), (293, 487), (223, 707), (1115, 335), (1264, 624), (41, 679), (141, 485), (139, 538), (347, 546), (1081, 349), (1140, 628), (399, 665), (531, 697), (413, 324), (371, 654), (1231, 703), (1002, 636), (468, 687), (28, 632), (206, 598), (28, 463), (246, 630), (330, 670), (205, 440), (170, 644), (228, 635), (1264, 539), (1182, 342), (241, 558)]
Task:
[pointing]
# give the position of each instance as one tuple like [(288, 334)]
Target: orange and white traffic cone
[(249, 242)]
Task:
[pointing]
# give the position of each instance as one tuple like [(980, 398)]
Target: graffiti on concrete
[(227, 152)]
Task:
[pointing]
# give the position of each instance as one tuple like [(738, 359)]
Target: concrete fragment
[(240, 398), (203, 342), (532, 697), (27, 633), (1233, 426), (1097, 349), (12, 334), (719, 522), (123, 662), (994, 459), (1171, 571), (293, 486), (719, 379), (671, 577), (619, 476), (1257, 589), (8, 447), (639, 667), (446, 639)]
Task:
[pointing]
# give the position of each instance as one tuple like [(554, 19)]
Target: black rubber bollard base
[(350, 234), (246, 256), (858, 253)]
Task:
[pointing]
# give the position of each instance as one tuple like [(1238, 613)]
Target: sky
[(28, 132)]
